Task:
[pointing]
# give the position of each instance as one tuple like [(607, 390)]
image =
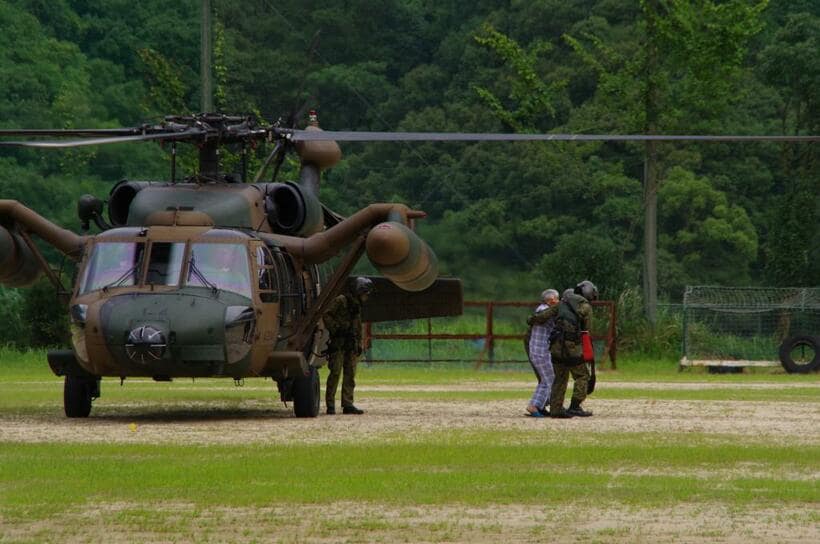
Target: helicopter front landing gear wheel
[(306, 394), (78, 392)]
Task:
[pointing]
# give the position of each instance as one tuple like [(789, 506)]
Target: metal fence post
[(489, 338), (429, 340), (368, 342), (613, 348)]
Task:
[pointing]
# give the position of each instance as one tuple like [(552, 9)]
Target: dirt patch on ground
[(369, 522), (650, 386), (258, 421)]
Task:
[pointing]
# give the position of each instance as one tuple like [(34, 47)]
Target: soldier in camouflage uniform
[(343, 321), (572, 315)]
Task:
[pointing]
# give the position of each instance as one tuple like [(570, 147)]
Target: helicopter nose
[(145, 344)]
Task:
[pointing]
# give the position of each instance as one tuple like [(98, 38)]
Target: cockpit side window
[(113, 264), (165, 263), (220, 266), (266, 271)]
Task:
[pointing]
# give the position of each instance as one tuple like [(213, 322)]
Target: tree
[(529, 95), (683, 68), (709, 238), (584, 255), (792, 65), (45, 316)]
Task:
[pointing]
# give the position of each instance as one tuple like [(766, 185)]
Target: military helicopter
[(210, 277)]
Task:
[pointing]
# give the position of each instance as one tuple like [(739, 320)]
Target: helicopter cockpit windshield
[(216, 265), (113, 264), (220, 266)]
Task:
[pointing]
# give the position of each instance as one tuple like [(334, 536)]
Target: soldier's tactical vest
[(566, 327)]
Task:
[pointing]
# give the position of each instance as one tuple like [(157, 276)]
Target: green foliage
[(706, 343), (531, 96), (166, 92), (504, 217), (584, 255), (13, 332), (713, 240), (637, 337), (792, 65), (45, 315), (793, 235)]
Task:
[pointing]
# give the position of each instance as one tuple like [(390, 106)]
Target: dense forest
[(509, 218)]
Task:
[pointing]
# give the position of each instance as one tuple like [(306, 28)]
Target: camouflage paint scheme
[(191, 317), (144, 305)]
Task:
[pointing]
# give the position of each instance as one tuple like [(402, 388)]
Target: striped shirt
[(540, 337)]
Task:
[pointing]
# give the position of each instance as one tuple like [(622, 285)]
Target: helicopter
[(214, 276), (210, 277)]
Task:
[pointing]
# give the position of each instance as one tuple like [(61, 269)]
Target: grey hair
[(549, 293)]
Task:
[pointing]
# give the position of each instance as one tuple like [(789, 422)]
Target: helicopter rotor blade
[(52, 144), (69, 132), (353, 136)]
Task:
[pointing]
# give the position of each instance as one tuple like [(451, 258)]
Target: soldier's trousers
[(341, 363), (580, 373)]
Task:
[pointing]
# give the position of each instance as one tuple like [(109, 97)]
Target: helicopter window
[(113, 264), (291, 291), (220, 266), (165, 263), (267, 276)]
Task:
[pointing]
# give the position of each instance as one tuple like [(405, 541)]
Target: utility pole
[(650, 172), (206, 46)]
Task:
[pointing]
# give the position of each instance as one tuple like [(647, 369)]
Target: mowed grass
[(467, 468), (477, 467)]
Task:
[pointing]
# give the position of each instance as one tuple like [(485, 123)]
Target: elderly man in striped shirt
[(540, 359)]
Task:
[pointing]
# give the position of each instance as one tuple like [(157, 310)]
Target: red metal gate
[(489, 337)]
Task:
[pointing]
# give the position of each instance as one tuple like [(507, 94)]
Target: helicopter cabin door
[(267, 301), (291, 290)]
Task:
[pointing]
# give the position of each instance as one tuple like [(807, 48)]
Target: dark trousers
[(580, 373), (339, 362)]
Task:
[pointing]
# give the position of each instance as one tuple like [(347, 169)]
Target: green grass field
[(253, 473)]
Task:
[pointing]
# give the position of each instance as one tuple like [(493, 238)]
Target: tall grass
[(637, 337)]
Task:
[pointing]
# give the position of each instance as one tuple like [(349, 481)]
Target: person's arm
[(539, 318), (585, 314)]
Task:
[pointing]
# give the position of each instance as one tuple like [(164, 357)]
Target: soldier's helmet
[(567, 293), (363, 286), (587, 290)]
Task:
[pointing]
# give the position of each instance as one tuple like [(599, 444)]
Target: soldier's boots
[(560, 414), (331, 410), (576, 410), (352, 410)]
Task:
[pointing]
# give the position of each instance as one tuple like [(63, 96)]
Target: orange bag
[(586, 346)]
